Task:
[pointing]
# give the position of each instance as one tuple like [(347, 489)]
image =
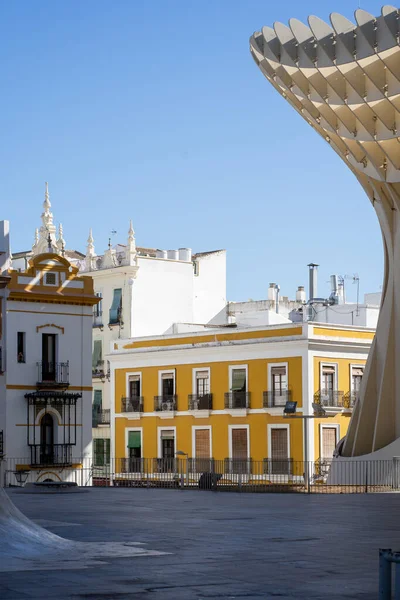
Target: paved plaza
[(216, 545)]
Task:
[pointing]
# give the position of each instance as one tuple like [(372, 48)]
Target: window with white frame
[(134, 386), (202, 443), (202, 383), (278, 462), (279, 382), (167, 384), (356, 377), (329, 440), (328, 378)]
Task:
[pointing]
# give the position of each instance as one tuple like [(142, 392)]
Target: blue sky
[(155, 111)]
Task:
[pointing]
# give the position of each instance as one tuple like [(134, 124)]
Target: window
[(329, 441), (101, 452), (21, 346), (196, 267), (50, 279), (328, 378), (134, 386), (239, 443), (167, 384), (135, 451), (116, 307), (97, 407), (279, 381), (356, 377), (202, 383), (278, 461), (98, 308), (168, 443), (202, 443), (97, 357), (238, 383), (49, 342)]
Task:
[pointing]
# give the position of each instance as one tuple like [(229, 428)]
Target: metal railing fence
[(244, 475)]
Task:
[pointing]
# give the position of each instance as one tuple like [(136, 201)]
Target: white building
[(45, 377)]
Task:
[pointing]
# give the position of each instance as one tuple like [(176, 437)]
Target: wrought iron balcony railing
[(98, 370), (329, 398), (237, 400), (165, 403), (51, 455), (274, 398), (53, 374), (132, 404), (101, 417), (197, 402), (280, 466), (350, 399)]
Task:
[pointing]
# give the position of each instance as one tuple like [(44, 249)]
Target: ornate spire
[(60, 241), (131, 246), (45, 238), (90, 253)]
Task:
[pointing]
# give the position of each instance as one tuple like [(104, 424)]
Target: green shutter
[(98, 451), (238, 380), (97, 353), (116, 306), (134, 439), (107, 451), (97, 399)]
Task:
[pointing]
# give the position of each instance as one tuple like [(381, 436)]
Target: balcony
[(53, 374), (101, 417), (350, 399), (133, 404), (278, 466), (276, 399), (43, 455), (165, 403), (197, 402), (330, 398), (235, 400), (97, 319), (98, 370)]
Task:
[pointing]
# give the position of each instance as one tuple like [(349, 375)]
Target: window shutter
[(279, 444), (357, 372), (239, 443), (328, 369), (97, 399), (116, 306), (167, 375), (201, 374), (98, 444), (202, 443), (238, 380), (134, 377), (329, 441), (167, 434), (278, 370), (97, 353), (134, 439)]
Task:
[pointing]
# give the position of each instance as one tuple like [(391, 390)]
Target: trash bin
[(208, 481)]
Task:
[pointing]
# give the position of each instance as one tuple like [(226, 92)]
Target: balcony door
[(49, 356), (47, 440), (279, 385)]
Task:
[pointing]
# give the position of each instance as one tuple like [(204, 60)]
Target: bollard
[(385, 575)]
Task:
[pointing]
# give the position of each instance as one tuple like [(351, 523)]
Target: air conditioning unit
[(196, 405), (165, 406)]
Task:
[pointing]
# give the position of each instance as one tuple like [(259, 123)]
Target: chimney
[(271, 296), (313, 272), (301, 294)]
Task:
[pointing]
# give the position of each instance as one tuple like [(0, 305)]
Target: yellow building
[(220, 394)]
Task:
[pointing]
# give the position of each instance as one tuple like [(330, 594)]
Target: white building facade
[(45, 377)]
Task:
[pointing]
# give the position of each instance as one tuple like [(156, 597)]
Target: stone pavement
[(219, 545)]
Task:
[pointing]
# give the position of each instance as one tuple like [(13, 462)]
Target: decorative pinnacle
[(131, 233), (36, 236), (46, 203), (90, 239)]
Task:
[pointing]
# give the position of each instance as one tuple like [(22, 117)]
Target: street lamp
[(289, 412), (181, 453), (21, 477)]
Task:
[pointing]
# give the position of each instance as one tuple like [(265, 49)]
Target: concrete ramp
[(27, 546)]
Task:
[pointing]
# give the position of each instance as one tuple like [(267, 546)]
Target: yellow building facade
[(220, 395)]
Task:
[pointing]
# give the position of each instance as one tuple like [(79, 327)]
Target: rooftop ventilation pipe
[(313, 275)]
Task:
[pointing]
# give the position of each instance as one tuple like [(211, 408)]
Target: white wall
[(209, 286), (162, 294)]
